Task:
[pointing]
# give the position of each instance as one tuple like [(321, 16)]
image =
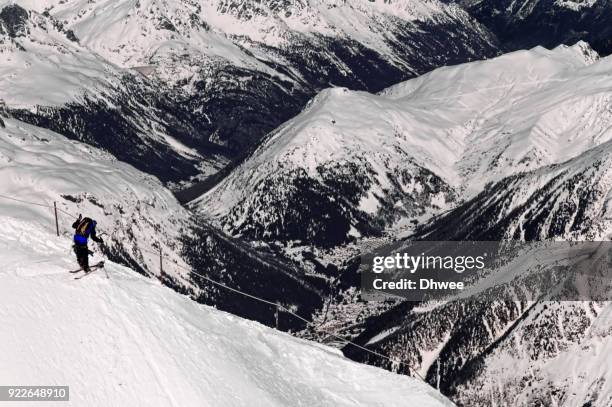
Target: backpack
[(85, 227)]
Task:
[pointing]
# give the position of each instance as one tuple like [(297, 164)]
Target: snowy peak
[(395, 159), (358, 172), (584, 50), (236, 70)]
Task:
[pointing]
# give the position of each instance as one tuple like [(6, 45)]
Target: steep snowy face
[(558, 352), (570, 201), (369, 162), (526, 23), (133, 209), (244, 67), (43, 64), (127, 340)]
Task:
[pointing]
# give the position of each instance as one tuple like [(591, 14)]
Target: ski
[(91, 270), (99, 264)]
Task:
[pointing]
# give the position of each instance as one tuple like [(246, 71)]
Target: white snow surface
[(127, 340), (53, 70)]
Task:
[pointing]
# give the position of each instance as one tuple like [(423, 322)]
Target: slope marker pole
[(276, 314), (56, 221), (161, 256)]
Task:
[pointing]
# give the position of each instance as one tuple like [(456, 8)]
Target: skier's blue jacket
[(85, 228)]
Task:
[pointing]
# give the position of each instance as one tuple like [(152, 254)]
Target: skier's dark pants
[(82, 254)]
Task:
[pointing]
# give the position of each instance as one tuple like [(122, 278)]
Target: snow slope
[(128, 341), (132, 208), (377, 161), (139, 217)]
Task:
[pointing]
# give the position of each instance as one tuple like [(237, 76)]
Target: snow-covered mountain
[(518, 147), (522, 144), (139, 217), (526, 23), (128, 340), (243, 67), (572, 200), (509, 352), (47, 78), (356, 164)]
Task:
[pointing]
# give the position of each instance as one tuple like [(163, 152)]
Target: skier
[(85, 227)]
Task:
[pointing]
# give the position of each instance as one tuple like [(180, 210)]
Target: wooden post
[(161, 266), (56, 221), (276, 315)]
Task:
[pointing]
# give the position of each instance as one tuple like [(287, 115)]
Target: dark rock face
[(124, 128), (526, 24), (243, 112), (235, 112), (321, 209), (262, 273), (13, 21)]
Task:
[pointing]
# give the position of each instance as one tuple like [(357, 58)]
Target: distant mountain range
[(354, 164), (304, 134), (527, 23), (214, 77)]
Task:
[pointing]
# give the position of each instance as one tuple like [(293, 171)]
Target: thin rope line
[(346, 341), (27, 202)]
